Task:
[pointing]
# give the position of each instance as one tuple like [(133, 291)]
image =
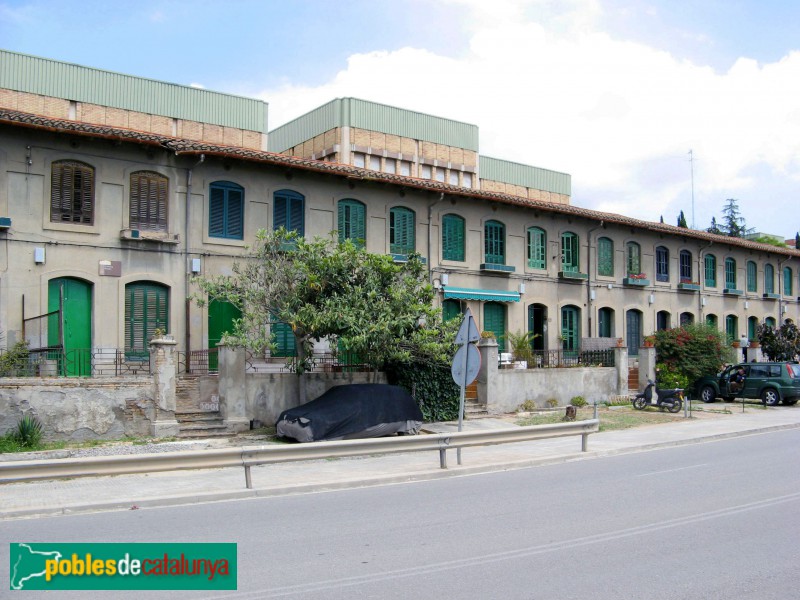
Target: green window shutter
[(148, 201), (730, 274), (634, 258), (71, 192), (570, 328), (453, 241), (769, 279), (752, 276), (787, 281), (731, 328), (451, 309), (226, 210), (235, 214), (401, 230), (752, 327), (494, 320), (605, 257), (352, 221), (711, 270), (495, 243), (537, 247), (289, 211), (146, 309), (570, 259), (283, 338)]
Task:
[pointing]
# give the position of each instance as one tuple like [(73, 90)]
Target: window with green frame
[(711, 321), (146, 310), (453, 238), (226, 210), (494, 242), (289, 211), (710, 262), (352, 221), (787, 281), (537, 248), (752, 328), (769, 279), (494, 320), (451, 309), (570, 328), (633, 258), (401, 230), (732, 328), (605, 257), (730, 274), (752, 276), (570, 258), (284, 340)]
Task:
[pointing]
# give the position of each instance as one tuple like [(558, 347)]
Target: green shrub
[(528, 406), (578, 401), (551, 403), (691, 351), (28, 432), (14, 361), (432, 385), (669, 377)]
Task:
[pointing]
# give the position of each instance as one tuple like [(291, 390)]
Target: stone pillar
[(162, 364), (647, 365), (621, 362), (232, 388), (487, 375)]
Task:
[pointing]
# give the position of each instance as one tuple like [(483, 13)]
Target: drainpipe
[(700, 271), (589, 278), (186, 269), (430, 235)]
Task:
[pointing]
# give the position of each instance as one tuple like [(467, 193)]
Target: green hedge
[(432, 386)]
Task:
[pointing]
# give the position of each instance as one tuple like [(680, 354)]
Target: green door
[(494, 320), (221, 315), (76, 323), (570, 328)]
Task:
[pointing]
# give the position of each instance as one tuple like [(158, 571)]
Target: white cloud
[(617, 115)]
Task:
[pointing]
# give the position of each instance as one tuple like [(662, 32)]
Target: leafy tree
[(797, 240), (364, 303), (779, 344), (662, 219), (770, 240), (689, 352), (734, 224), (682, 221), (714, 228)]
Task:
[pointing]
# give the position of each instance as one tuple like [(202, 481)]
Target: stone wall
[(79, 409)]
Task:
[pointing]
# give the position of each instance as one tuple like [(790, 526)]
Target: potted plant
[(521, 348), (649, 341), (754, 343)]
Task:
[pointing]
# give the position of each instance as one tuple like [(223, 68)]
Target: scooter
[(672, 400)]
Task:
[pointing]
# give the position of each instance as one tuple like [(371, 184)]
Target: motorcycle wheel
[(639, 403), (675, 406)]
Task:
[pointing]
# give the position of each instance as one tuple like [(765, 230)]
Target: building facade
[(111, 202)]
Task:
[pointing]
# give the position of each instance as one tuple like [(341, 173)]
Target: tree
[(368, 304), (781, 344), (682, 221), (797, 240), (714, 228), (686, 353), (733, 222)]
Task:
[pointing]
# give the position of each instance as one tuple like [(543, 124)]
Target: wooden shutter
[(352, 221), (235, 214), (146, 309), (495, 243), (769, 279), (283, 338), (72, 192), (494, 320), (569, 252), (711, 270), (536, 248), (605, 257), (401, 231), (148, 201), (216, 212), (634, 258), (453, 238)]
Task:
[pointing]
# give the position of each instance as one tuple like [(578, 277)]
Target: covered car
[(352, 411)]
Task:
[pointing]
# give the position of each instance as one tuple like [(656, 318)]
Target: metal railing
[(17, 471), (329, 362), (550, 359), (198, 362), (78, 362)]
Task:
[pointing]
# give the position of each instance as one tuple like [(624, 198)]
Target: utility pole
[(691, 166)]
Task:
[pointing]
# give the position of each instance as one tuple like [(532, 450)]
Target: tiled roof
[(183, 146)]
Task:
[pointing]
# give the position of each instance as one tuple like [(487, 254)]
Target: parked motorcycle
[(672, 400)]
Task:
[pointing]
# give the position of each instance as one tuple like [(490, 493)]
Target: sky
[(652, 106)]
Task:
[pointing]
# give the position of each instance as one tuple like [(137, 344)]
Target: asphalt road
[(705, 521)]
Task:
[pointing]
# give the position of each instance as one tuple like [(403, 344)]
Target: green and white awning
[(458, 293)]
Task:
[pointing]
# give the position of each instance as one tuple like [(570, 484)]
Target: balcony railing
[(79, 362), (552, 359)]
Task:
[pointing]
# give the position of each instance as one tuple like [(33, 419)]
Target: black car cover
[(351, 411)]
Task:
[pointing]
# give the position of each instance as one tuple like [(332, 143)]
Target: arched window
[(633, 254), (711, 321), (402, 231), (732, 328), (730, 274), (605, 257), (752, 276), (148, 201), (662, 320), (494, 242), (570, 252), (226, 210), (289, 211), (769, 279), (71, 192), (537, 248), (662, 263), (453, 237), (711, 270), (770, 322), (685, 263), (752, 328), (146, 309), (352, 221), (605, 322), (686, 318)]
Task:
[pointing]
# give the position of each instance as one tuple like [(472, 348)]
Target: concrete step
[(197, 416), (204, 429)]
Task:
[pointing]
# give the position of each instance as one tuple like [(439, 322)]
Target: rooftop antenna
[(691, 166)]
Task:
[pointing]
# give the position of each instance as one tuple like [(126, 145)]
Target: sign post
[(466, 363)]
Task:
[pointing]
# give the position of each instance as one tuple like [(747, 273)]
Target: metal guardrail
[(17, 471)]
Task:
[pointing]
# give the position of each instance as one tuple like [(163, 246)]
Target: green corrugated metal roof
[(495, 169), (353, 112), (483, 295), (35, 75)]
